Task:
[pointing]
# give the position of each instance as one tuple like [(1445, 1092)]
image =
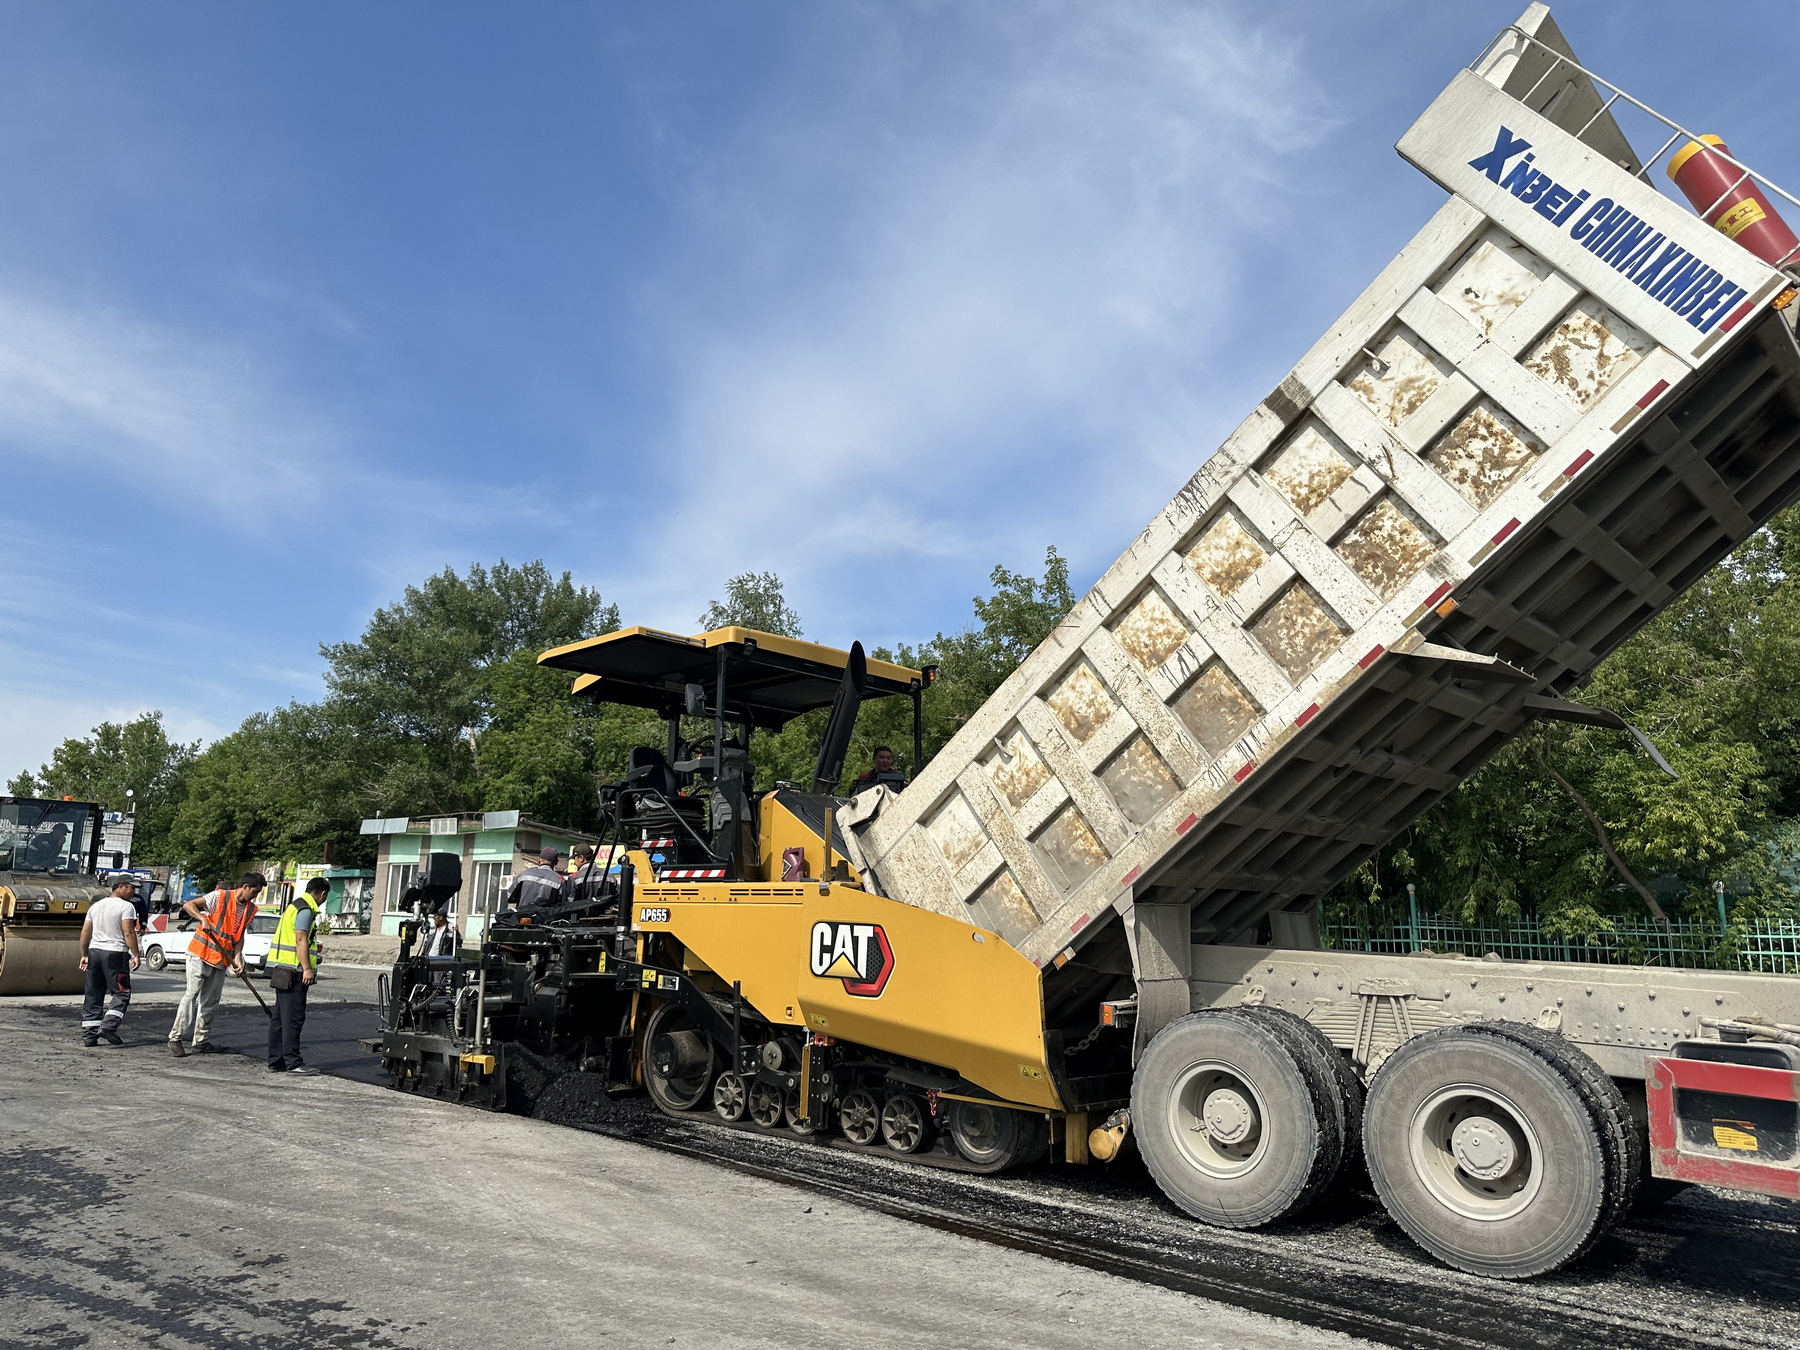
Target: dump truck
[(1090, 919), (49, 858)]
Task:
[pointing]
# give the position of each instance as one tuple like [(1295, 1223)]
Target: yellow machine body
[(832, 959), (40, 932), (779, 829)]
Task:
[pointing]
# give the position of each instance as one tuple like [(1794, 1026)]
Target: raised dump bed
[(1564, 401)]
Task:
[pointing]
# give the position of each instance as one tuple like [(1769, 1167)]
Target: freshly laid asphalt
[(406, 1222), (205, 1202)]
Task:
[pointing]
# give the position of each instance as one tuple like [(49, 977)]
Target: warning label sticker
[(1737, 1134)]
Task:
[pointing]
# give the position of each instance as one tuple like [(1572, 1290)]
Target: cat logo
[(856, 953)]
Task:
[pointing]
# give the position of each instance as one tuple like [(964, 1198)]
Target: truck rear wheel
[(678, 1072), (1500, 1149), (1238, 1118), (995, 1138)]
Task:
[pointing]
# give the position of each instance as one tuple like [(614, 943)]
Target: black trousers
[(284, 1027), (108, 989)]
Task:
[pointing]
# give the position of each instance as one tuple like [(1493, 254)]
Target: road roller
[(49, 855)]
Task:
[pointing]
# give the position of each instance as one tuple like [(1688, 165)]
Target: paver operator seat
[(740, 681)]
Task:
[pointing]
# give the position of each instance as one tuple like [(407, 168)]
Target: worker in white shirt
[(109, 953)]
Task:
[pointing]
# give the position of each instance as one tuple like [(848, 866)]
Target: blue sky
[(300, 303)]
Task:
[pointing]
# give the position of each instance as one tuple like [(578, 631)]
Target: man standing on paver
[(109, 953), (293, 966), (214, 954)]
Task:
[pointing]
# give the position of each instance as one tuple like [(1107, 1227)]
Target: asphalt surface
[(1707, 1269), (205, 1202)]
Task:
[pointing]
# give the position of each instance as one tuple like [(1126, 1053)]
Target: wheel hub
[(1228, 1115), (1483, 1148), (1476, 1152)]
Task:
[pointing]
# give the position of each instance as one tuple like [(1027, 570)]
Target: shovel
[(244, 976)]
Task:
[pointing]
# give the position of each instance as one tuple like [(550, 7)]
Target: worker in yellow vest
[(293, 966)]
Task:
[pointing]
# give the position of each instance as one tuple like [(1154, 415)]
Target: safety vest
[(223, 928), (285, 950)]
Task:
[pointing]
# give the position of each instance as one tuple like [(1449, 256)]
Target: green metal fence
[(1772, 946)]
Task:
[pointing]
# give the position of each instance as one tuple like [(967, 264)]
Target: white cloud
[(189, 418), (965, 290)]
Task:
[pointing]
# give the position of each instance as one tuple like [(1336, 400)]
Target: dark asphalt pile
[(1707, 1269)]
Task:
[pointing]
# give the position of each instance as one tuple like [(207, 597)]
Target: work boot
[(177, 1049), (111, 1036), (91, 1042), (204, 1048), (304, 1071)]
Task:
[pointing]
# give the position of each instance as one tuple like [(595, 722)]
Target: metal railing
[(1677, 132), (1771, 946)]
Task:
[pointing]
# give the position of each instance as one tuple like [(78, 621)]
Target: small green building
[(493, 845)]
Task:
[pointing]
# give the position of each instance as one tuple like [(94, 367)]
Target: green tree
[(229, 816), (537, 753), (420, 684), (753, 600), (116, 758), (286, 784), (439, 706), (1011, 623)]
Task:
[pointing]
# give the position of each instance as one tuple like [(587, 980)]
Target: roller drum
[(40, 960)]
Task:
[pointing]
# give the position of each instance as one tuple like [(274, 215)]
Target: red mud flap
[(1719, 1124)]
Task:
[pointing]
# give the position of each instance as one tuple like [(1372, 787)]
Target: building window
[(487, 886), (401, 877)]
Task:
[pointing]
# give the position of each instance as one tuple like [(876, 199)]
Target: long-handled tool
[(258, 997)]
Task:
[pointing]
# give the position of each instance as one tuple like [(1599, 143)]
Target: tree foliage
[(438, 706), (1010, 622), (753, 600)]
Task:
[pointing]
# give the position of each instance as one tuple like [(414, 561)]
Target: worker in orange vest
[(215, 953)]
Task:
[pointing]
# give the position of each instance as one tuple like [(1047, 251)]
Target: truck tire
[(1306, 1039), (1239, 1117), (993, 1138), (1500, 1148), (679, 1068), (155, 959)]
